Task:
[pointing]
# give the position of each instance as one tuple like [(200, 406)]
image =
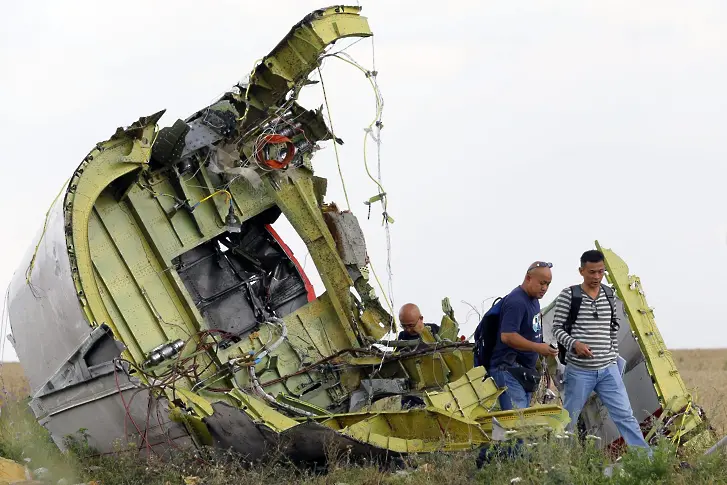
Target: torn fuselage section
[(94, 382), (307, 443), (165, 237), (240, 280)]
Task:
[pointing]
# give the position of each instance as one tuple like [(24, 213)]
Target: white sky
[(514, 131)]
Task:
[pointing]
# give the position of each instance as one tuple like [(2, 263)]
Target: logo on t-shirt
[(537, 324)]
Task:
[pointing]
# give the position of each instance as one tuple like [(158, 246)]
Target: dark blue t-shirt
[(519, 314)]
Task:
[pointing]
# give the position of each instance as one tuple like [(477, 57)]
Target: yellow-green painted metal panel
[(673, 394)]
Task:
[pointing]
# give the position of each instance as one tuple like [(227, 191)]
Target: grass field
[(556, 462), (705, 374)]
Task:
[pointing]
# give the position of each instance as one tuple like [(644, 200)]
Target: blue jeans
[(609, 386), (515, 397)]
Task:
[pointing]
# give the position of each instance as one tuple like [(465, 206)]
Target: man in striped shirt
[(592, 352)]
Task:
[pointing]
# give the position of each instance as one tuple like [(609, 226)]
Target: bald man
[(515, 356), (520, 338), (412, 321)]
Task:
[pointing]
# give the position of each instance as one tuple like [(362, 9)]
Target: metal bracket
[(80, 366)]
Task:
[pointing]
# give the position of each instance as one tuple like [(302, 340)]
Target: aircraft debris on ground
[(157, 305)]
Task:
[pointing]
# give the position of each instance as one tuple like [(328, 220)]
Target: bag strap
[(611, 301), (575, 306)]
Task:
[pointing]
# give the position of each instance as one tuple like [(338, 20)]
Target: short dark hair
[(591, 256)]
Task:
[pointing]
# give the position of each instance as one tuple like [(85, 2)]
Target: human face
[(413, 327), (593, 274), (537, 282)]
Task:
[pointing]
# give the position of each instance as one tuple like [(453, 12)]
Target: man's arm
[(517, 341), (562, 308), (512, 317)]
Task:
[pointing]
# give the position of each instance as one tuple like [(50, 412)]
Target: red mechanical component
[(273, 140)]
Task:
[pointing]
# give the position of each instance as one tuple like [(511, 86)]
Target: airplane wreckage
[(157, 305)]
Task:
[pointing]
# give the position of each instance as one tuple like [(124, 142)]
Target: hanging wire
[(376, 124), (335, 143), (379, 125)]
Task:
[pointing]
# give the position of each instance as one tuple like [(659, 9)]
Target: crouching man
[(591, 344), (412, 321), (520, 339)]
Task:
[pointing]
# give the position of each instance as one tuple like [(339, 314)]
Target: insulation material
[(349, 237), (225, 158)]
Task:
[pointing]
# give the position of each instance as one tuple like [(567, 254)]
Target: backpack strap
[(611, 301), (575, 306)]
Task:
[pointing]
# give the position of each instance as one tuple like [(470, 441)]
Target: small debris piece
[(426, 468), (40, 473), (11, 471)]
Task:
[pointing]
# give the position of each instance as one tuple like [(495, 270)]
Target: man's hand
[(546, 350), (582, 349)]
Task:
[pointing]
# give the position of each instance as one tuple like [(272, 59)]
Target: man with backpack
[(508, 340), (585, 325), (518, 338)]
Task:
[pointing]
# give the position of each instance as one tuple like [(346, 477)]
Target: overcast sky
[(514, 131)]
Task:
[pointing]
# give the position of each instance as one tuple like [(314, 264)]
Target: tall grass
[(554, 461)]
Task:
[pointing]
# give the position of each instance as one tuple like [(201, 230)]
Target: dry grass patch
[(705, 373), (13, 384)]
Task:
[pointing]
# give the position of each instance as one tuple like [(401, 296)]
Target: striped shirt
[(591, 329)]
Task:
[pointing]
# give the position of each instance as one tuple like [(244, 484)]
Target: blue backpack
[(486, 335)]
